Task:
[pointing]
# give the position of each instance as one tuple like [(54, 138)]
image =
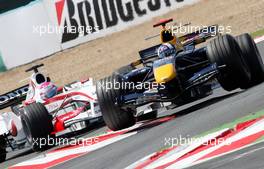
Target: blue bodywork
[(195, 73)]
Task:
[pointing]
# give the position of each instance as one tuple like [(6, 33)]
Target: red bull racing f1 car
[(177, 71)]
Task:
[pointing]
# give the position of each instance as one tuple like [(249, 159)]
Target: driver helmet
[(166, 50), (48, 90)]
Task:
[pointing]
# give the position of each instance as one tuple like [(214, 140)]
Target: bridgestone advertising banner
[(84, 20)]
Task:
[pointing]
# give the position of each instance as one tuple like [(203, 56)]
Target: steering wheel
[(35, 68)]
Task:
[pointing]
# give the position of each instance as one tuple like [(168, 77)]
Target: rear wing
[(13, 97)]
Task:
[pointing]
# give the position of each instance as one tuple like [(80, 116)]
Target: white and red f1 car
[(49, 110)]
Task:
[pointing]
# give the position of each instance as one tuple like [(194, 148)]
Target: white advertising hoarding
[(48, 26), (20, 43), (101, 17)]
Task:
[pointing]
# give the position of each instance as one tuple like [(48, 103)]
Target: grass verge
[(257, 33)]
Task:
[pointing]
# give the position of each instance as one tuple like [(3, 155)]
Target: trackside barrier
[(45, 27)]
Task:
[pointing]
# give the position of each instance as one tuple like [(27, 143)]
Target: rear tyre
[(2, 155), (253, 59), (2, 149), (37, 124), (225, 52), (114, 117)]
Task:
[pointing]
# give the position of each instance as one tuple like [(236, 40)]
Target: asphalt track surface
[(192, 119)]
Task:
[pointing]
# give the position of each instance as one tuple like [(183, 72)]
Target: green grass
[(257, 33)]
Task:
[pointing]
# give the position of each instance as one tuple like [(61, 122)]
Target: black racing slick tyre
[(2, 149), (37, 125), (114, 117), (226, 53), (2, 155), (253, 59)]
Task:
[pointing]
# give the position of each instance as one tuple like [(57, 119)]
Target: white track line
[(253, 129), (186, 149), (259, 39), (49, 157)]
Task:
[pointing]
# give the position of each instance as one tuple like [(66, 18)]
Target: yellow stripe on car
[(165, 73)]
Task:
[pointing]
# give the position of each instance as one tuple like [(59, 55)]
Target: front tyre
[(226, 53), (37, 125), (114, 117)]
